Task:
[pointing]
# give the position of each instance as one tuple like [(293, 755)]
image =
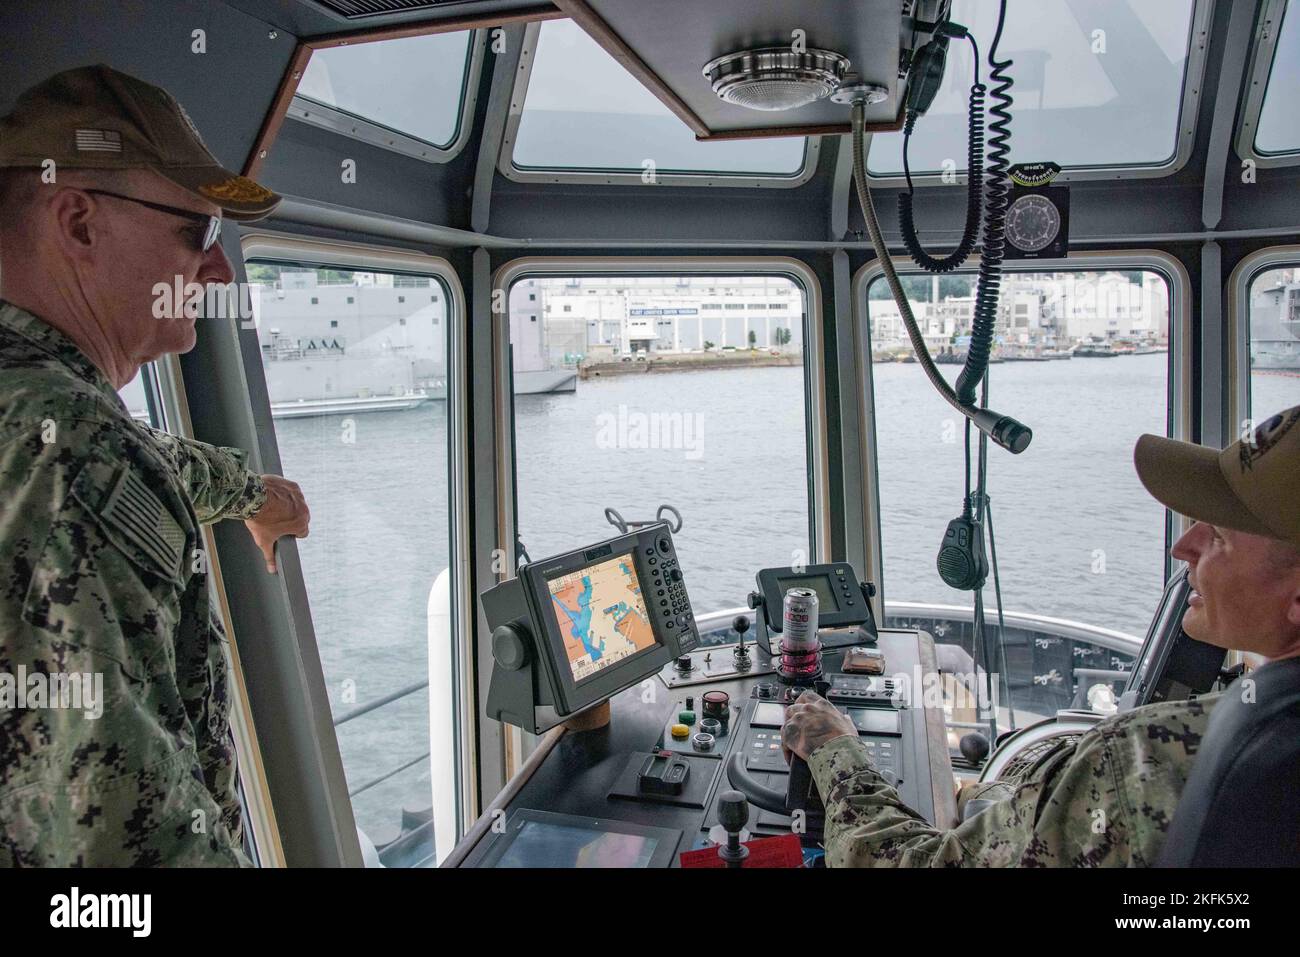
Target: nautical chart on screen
[(602, 615)]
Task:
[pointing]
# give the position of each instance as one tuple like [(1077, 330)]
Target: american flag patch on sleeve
[(99, 141), (138, 514)]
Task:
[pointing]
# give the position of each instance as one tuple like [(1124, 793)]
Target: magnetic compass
[(1033, 221), (1037, 222)]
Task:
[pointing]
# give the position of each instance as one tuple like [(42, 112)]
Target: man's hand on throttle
[(285, 513), (810, 722)]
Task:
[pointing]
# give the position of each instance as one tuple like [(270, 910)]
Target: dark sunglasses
[(211, 224)]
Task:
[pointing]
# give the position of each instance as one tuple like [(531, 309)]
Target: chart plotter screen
[(602, 615)]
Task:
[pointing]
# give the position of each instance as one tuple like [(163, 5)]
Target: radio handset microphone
[(962, 561)]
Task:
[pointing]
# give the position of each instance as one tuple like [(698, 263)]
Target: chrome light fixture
[(776, 78)]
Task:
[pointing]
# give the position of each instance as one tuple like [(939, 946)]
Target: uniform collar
[(56, 344)]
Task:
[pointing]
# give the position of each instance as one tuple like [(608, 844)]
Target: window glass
[(584, 111), (134, 396), (1274, 341), (414, 85), (1085, 365), (630, 394), (356, 368), (1096, 84), (1277, 131)]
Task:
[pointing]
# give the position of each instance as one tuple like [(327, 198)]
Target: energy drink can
[(799, 620)]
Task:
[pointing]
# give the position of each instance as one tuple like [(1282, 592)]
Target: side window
[(1081, 358), (1274, 342), (632, 392), (140, 397), (356, 368)]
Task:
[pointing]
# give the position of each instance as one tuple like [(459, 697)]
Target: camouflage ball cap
[(1252, 486), (95, 117)]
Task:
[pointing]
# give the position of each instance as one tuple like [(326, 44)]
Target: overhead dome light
[(775, 78)]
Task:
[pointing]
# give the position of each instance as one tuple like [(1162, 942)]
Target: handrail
[(380, 702), (393, 773)]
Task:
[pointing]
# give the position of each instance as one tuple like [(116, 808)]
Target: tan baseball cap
[(1252, 486), (95, 117)]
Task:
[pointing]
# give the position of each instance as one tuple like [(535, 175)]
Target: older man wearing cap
[(1108, 798), (106, 189)]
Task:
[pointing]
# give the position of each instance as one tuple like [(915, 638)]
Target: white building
[(560, 321)]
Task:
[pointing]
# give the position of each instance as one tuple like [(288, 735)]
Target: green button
[(686, 717)]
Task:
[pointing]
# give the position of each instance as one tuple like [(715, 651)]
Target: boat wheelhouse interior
[(610, 341)]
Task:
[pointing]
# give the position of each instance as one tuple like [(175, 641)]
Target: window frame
[(340, 121), (525, 174), (1237, 366), (1188, 109), (1263, 49), (261, 244), (815, 405), (165, 386), (1180, 389)]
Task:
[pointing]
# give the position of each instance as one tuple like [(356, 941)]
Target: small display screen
[(768, 714), (601, 614), (875, 720), (826, 600), (543, 844)]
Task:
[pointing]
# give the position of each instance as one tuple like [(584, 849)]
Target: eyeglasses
[(211, 225)]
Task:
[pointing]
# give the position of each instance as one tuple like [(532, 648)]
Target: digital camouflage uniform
[(100, 571), (1104, 801)]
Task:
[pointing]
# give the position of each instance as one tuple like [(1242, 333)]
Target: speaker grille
[(356, 9)]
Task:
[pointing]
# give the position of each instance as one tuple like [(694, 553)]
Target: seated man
[(104, 594), (1108, 799)]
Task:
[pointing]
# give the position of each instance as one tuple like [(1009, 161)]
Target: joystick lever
[(733, 815), (741, 654), (801, 795)]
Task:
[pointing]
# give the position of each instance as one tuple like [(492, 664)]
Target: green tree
[(261, 273), (753, 339), (707, 345)]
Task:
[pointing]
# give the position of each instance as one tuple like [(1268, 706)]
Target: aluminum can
[(799, 620)]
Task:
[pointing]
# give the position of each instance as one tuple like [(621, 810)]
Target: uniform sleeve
[(99, 758), (1068, 814), (217, 482)]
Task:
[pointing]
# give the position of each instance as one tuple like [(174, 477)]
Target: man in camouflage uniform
[(1108, 798), (106, 190)]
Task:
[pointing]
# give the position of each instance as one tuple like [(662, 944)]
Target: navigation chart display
[(602, 615)]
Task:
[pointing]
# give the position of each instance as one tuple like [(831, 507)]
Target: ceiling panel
[(675, 38)]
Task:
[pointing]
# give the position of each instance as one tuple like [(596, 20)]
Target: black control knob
[(733, 810), (675, 575), (741, 654), (733, 815), (754, 600), (684, 663), (509, 647), (974, 747)]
